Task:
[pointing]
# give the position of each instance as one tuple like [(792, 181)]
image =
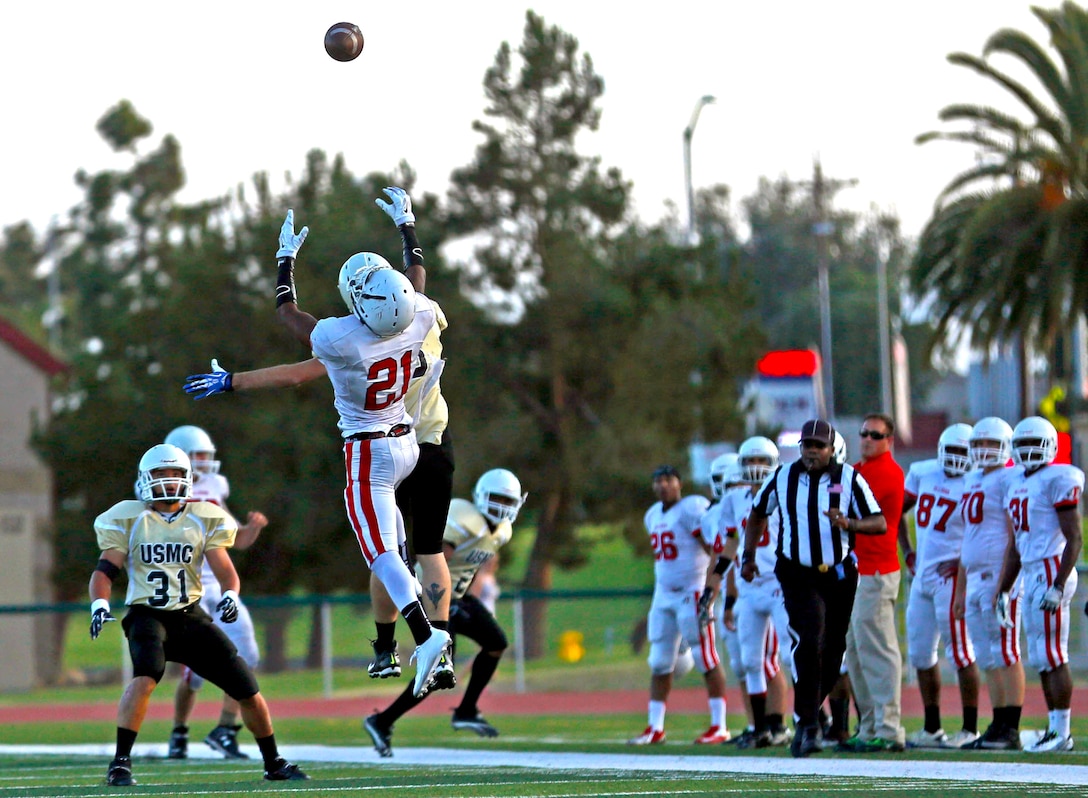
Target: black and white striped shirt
[(805, 535)]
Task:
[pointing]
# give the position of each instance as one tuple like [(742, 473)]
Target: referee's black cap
[(818, 430), (665, 471)]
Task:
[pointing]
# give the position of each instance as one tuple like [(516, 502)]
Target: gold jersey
[(473, 541), (424, 398), (164, 558)]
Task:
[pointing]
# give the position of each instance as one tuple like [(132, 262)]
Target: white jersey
[(370, 375), (680, 561), (712, 526), (1032, 501), (766, 547), (474, 543), (985, 531), (212, 488), (937, 519)]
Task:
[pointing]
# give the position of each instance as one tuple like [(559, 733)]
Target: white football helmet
[(498, 496), (838, 451), (719, 470), (150, 488), (193, 440), (991, 442), (757, 448), (1034, 442), (954, 449), (380, 297)]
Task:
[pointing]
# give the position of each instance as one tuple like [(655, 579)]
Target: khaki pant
[(873, 658)]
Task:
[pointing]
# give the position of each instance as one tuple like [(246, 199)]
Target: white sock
[(1059, 722), (717, 712), (657, 715)]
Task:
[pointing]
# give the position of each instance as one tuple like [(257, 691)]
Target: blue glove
[(100, 616), (219, 381), (228, 607), (290, 243), (400, 211)]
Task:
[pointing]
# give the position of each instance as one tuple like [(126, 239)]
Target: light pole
[(689, 131)]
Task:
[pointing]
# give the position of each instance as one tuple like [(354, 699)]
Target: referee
[(822, 505)]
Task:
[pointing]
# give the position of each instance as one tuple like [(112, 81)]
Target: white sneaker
[(924, 739), (960, 739), (426, 657), (1051, 742)]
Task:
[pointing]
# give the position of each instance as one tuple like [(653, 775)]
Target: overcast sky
[(247, 87)]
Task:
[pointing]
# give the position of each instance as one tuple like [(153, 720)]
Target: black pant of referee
[(819, 604)]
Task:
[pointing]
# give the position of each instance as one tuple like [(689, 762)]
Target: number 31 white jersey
[(369, 374), (680, 561), (1032, 501)]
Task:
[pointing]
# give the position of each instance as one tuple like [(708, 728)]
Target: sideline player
[(162, 541), (1043, 502), (210, 485), (475, 531), (681, 561), (369, 356), (985, 536), (933, 489)]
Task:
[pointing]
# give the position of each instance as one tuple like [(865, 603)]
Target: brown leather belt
[(394, 432)]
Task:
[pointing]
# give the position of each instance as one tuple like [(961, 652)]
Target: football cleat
[(381, 736), (120, 772), (806, 742), (994, 739), (961, 739), (426, 657), (282, 770), (648, 737), (744, 739), (924, 739), (224, 739), (178, 747), (444, 678), (386, 663), (1051, 742), (715, 735), (781, 736), (474, 723)]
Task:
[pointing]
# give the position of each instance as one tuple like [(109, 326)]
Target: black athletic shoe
[(224, 739), (178, 748), (282, 770), (386, 663), (806, 742), (381, 736), (120, 772), (444, 677), (474, 723)]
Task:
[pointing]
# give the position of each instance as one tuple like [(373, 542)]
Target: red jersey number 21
[(384, 376)]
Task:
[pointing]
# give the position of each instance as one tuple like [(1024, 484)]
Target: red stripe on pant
[(359, 501), (958, 631), (708, 650), (1052, 630)]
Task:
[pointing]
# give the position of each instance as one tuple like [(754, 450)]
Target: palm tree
[(1005, 253)]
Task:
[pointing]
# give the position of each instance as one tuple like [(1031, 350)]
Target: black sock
[(181, 730), (483, 668), (970, 719), (840, 713), (759, 711), (1012, 717), (401, 704), (774, 722), (269, 752), (933, 718), (416, 619), (125, 740), (385, 635)]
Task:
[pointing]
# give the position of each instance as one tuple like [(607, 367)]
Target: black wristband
[(722, 565), (108, 568), (285, 282), (413, 253), (730, 601), (748, 556)]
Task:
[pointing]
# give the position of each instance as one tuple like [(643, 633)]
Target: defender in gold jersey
[(475, 531), (162, 541)]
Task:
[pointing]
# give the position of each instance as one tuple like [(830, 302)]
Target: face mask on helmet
[(758, 457), (382, 299), (196, 443), (1034, 442), (954, 449), (498, 496), (357, 267), (991, 442), (838, 452), (153, 485), (719, 469)]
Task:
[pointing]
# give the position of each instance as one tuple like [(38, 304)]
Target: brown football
[(344, 41)]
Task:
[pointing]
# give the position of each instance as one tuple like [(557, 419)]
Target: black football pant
[(819, 607)]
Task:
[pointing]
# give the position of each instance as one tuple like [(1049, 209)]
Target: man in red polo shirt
[(872, 643)]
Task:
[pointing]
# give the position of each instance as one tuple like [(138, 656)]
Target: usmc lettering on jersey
[(158, 553), (477, 557)]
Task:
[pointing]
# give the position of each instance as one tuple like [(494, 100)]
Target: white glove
[(1052, 598), (400, 210), (1004, 617), (228, 607), (290, 243), (100, 616)]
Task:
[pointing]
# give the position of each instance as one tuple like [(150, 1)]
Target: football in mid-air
[(344, 41)]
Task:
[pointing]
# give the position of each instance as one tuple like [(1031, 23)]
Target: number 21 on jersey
[(388, 381)]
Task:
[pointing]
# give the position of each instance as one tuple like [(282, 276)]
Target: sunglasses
[(874, 435)]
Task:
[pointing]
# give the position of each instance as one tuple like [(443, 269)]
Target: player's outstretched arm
[(219, 380), (299, 322), (399, 209)]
